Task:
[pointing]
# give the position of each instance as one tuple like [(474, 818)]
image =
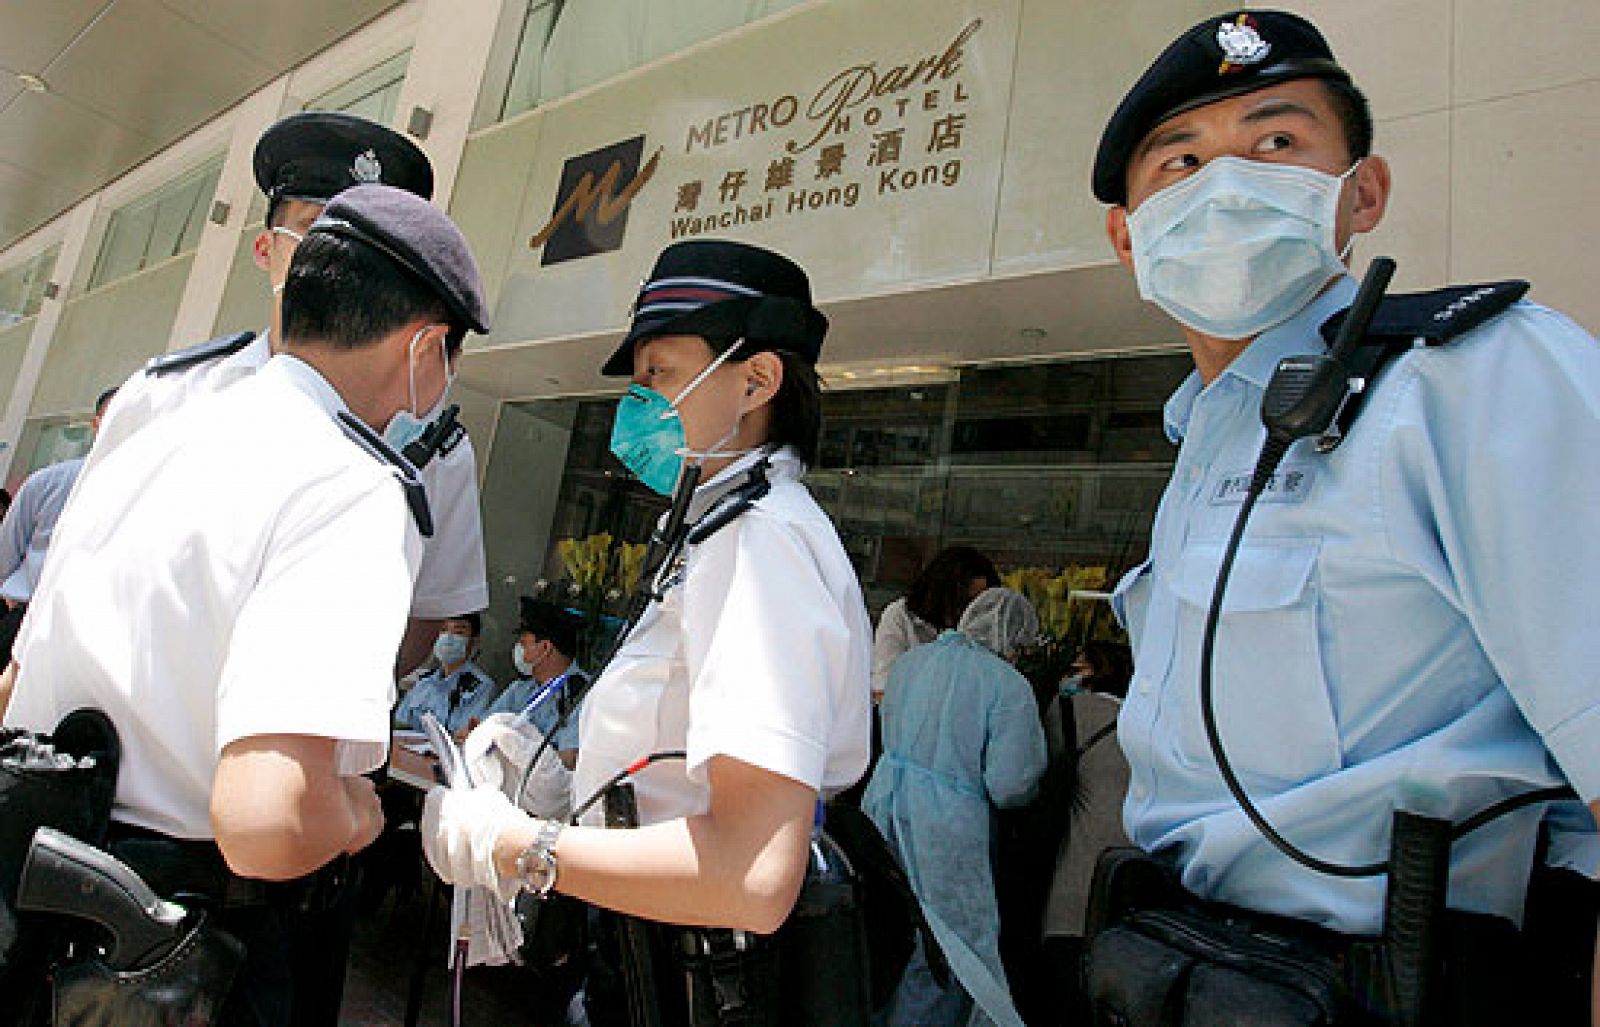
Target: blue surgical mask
[(647, 432), (450, 649), (1239, 246), (406, 425)]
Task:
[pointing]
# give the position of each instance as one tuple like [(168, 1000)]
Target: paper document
[(452, 765)]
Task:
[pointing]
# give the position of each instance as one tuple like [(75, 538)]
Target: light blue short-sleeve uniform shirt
[(1411, 620), (547, 715)]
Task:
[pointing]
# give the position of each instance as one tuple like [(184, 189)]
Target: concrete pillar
[(448, 60), (80, 222), (208, 280)]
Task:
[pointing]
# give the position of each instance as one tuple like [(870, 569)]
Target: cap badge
[(1241, 44), (366, 168)]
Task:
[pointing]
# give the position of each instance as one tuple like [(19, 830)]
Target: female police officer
[(754, 661)]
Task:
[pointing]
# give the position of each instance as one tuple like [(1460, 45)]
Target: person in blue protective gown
[(961, 734)]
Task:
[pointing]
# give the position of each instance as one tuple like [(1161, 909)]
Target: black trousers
[(10, 624), (1559, 930)]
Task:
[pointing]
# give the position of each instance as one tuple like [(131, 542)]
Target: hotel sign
[(874, 131), (875, 170)]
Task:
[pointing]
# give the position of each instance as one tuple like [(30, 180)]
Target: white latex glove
[(497, 752), (459, 829)]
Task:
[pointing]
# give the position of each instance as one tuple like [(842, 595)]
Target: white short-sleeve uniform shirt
[(762, 653), (452, 580), (238, 568)]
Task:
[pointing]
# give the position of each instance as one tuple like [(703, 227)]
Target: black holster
[(813, 970), (730, 978), (185, 988)]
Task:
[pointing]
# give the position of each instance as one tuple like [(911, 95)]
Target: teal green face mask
[(647, 433), (647, 436)]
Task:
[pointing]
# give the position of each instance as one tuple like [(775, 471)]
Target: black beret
[(315, 155), (721, 291), (419, 237), (1223, 56)]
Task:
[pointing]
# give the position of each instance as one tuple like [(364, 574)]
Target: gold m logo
[(598, 197)]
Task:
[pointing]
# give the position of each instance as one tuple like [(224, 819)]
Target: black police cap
[(1223, 56), (419, 237), (721, 291), (315, 155)]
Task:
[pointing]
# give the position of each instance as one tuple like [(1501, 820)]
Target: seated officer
[(1410, 620), (204, 552), (547, 638), (458, 691)]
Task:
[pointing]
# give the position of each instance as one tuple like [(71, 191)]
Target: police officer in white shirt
[(300, 163), (755, 663), (205, 548)]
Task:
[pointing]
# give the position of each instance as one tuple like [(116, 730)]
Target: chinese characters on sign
[(868, 132), (865, 132)]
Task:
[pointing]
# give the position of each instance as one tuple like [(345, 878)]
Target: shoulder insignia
[(416, 495), (204, 353), (1435, 317)]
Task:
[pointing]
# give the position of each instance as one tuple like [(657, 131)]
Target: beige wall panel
[(1416, 229), (1398, 51), (488, 198), (13, 345), (859, 231), (1504, 47), (246, 305), (1523, 199), (1074, 62), (106, 335)]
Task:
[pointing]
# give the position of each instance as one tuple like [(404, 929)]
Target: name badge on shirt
[(1289, 484)]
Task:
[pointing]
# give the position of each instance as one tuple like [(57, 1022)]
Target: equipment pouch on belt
[(1158, 959), (65, 780)]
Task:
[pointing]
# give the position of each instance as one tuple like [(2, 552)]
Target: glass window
[(523, 91), (56, 442), (1046, 466), (371, 95), (566, 45), (158, 226), (22, 287)]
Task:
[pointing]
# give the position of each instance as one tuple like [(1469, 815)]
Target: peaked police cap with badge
[(1223, 56), (315, 155)]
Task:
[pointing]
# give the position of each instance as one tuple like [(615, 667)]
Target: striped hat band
[(672, 296)]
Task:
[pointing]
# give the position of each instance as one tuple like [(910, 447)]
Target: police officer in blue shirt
[(548, 676), (1409, 622), (458, 692)]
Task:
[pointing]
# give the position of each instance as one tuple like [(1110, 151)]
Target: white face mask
[(519, 660), (289, 233), (406, 425), (1239, 246)]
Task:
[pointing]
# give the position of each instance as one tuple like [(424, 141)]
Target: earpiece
[(750, 388)]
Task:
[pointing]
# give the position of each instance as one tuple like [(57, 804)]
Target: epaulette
[(193, 356), (416, 495), (1435, 317), (1403, 322)]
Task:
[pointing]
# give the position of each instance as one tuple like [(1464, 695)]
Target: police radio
[(442, 435)]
